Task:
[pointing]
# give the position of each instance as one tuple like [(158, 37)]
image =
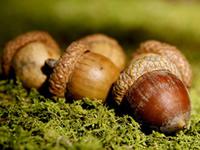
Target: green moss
[(30, 121)]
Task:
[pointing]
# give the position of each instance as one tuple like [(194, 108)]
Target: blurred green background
[(130, 21)]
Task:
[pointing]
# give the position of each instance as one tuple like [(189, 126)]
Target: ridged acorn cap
[(64, 67), (172, 53), (144, 63), (19, 42), (108, 47)]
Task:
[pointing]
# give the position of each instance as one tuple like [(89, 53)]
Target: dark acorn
[(153, 87), (161, 100)]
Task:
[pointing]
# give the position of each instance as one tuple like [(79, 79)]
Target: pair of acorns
[(154, 83)]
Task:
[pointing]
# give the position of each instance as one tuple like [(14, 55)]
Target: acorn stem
[(51, 63), (48, 67)]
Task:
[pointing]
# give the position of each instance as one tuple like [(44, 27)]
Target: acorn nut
[(108, 47), (25, 56), (158, 98), (171, 53), (81, 73)]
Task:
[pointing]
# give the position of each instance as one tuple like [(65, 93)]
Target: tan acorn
[(108, 47), (81, 73), (172, 53), (152, 86), (25, 56)]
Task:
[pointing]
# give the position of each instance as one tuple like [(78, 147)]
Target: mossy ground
[(28, 120)]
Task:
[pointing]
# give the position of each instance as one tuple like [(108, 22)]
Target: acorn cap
[(172, 53), (16, 44), (95, 38), (102, 38), (144, 63), (64, 67)]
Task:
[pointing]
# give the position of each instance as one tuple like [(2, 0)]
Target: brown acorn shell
[(64, 67), (92, 77), (80, 73), (172, 53), (160, 100), (16, 44), (144, 63), (108, 47)]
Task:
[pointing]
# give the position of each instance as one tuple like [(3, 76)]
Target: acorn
[(25, 56), (108, 47), (158, 98), (171, 53), (81, 73)]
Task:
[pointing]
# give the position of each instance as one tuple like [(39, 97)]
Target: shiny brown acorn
[(153, 87), (81, 73), (108, 47), (25, 56)]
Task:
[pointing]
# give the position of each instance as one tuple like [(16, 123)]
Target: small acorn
[(171, 53), (108, 47), (158, 98), (81, 73), (25, 56)]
